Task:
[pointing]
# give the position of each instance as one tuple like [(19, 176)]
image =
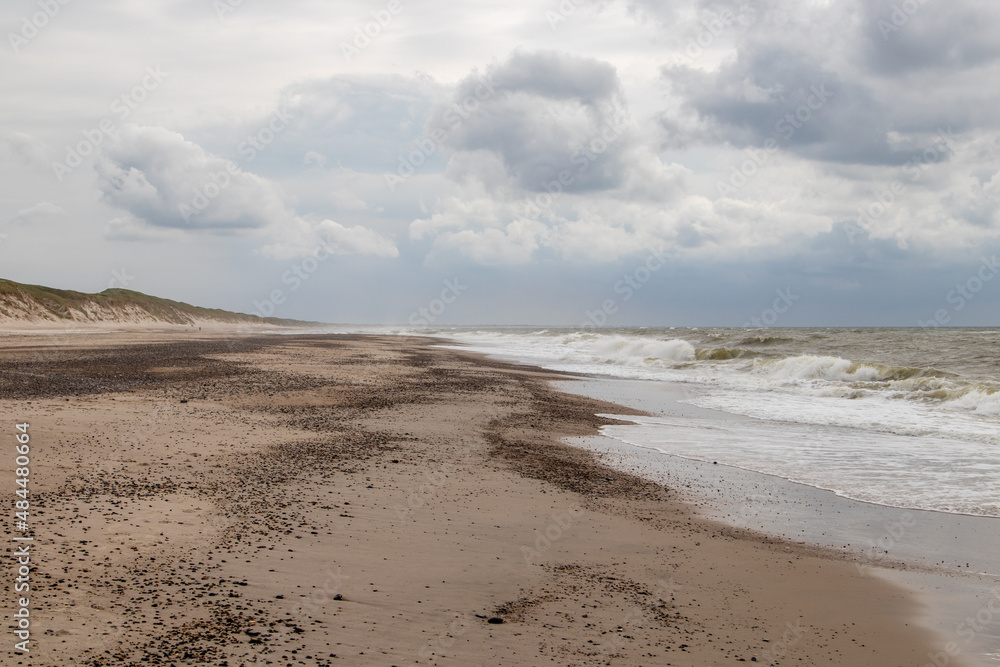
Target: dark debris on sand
[(253, 490)]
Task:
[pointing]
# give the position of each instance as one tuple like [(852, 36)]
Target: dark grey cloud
[(894, 74), (538, 114), (903, 37), (773, 93), (556, 76), (646, 10)]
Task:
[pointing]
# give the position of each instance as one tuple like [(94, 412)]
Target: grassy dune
[(33, 302)]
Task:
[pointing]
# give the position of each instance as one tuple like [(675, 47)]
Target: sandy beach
[(200, 498)]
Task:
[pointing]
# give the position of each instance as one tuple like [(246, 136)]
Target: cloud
[(773, 93), (874, 107), (537, 114), (524, 190), (314, 159), (159, 177), (515, 243), (360, 122), (129, 228), (537, 144), (901, 38), (37, 214), (554, 75), (513, 226), (163, 181), (303, 238), (30, 150)]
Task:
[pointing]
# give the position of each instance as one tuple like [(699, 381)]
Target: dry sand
[(359, 500)]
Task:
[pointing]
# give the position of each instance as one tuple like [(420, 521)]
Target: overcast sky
[(712, 162)]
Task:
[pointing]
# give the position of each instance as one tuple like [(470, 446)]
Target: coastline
[(209, 497), (949, 561)]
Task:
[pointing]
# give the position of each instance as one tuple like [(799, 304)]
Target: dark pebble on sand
[(496, 620)]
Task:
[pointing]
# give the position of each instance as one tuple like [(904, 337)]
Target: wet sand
[(365, 500)]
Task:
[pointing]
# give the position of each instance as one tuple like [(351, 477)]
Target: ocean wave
[(765, 340), (629, 350), (720, 353), (809, 367), (752, 363), (979, 399)]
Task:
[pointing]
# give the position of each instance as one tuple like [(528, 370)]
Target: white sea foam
[(976, 400), (807, 367), (923, 473), (637, 351)]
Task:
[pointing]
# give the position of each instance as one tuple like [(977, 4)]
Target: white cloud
[(167, 181), (163, 181), (128, 228), (37, 214), (314, 159), (514, 243), (28, 149), (301, 238)]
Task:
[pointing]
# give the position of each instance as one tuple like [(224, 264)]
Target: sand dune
[(34, 306)]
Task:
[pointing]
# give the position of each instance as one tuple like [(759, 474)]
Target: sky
[(600, 163)]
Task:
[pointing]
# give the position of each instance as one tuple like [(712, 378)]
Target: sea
[(906, 417)]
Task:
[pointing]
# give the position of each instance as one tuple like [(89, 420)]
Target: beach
[(378, 500)]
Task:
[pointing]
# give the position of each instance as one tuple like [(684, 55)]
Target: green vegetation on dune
[(62, 304)]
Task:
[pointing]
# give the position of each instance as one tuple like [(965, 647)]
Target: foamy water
[(902, 417)]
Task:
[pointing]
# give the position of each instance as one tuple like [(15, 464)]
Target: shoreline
[(425, 487), (949, 561)]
